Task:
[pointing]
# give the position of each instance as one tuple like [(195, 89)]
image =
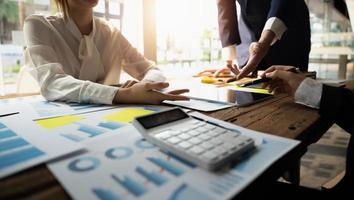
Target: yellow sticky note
[(206, 79), (246, 89), (58, 121), (243, 81), (127, 115)]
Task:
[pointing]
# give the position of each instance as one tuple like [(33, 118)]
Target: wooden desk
[(277, 116)]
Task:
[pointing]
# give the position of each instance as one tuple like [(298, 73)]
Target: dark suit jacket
[(294, 46), (337, 104)]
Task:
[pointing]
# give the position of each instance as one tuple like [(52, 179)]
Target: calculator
[(203, 143)]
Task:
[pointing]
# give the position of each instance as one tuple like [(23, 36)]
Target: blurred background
[(181, 36)]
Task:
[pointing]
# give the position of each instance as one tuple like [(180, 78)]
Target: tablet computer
[(211, 98), (229, 96), (243, 98)]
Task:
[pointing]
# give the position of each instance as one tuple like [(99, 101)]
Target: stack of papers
[(117, 162), (53, 129)]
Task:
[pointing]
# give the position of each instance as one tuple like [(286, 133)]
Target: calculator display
[(161, 118)]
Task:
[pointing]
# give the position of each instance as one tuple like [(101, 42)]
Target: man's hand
[(233, 67), (147, 93), (225, 70), (257, 51), (215, 72), (283, 79)]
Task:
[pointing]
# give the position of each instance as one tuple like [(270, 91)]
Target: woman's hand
[(283, 79), (147, 93), (129, 83)]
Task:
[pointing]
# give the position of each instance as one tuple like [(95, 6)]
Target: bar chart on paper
[(163, 164), (134, 182), (142, 177), (128, 169), (105, 194), (14, 149), (153, 176), (182, 192), (153, 172), (76, 128), (24, 146), (186, 191), (125, 166), (82, 131), (82, 127)]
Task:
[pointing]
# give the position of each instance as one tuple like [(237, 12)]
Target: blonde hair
[(63, 7)]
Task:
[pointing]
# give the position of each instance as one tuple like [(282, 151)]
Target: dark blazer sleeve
[(338, 104), (284, 10), (228, 27)]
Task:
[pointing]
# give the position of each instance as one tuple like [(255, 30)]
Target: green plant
[(9, 10)]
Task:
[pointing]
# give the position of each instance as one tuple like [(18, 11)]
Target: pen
[(262, 80), (8, 114), (293, 69)]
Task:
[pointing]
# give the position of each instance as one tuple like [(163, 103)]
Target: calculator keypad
[(205, 141)]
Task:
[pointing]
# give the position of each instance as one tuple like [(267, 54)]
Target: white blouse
[(73, 67)]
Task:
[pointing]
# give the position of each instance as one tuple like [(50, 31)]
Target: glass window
[(12, 16), (187, 35), (331, 36)]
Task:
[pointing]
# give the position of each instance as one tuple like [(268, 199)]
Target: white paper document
[(37, 107), (125, 166), (200, 104), (23, 144)]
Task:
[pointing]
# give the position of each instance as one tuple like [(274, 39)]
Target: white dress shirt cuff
[(309, 93), (229, 52), (154, 75), (277, 26), (98, 93)]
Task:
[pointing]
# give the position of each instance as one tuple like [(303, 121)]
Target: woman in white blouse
[(77, 57)]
